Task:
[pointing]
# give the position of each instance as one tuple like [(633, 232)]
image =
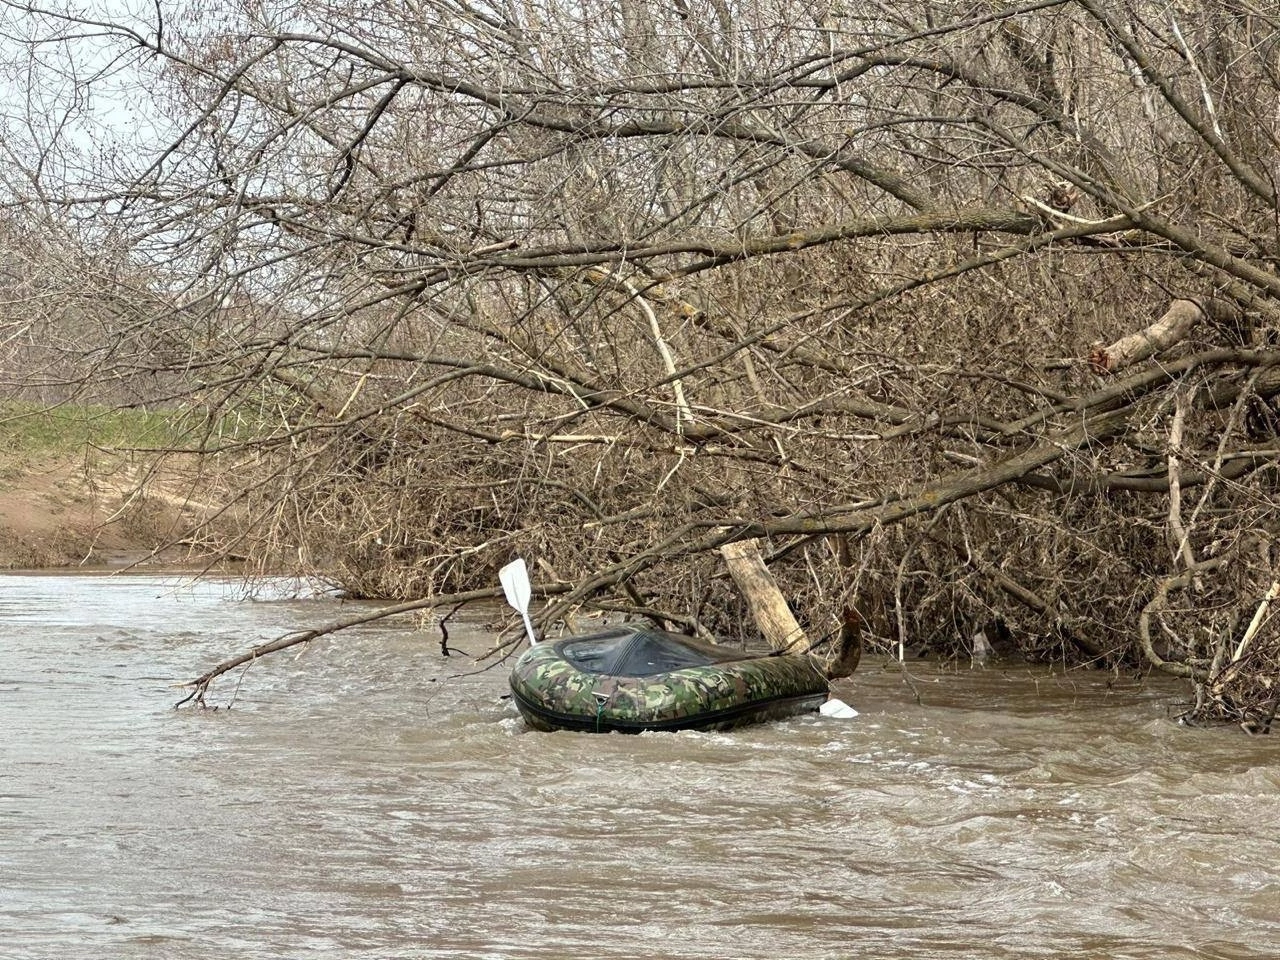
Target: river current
[(369, 798)]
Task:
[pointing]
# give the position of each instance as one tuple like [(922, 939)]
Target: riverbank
[(98, 512)]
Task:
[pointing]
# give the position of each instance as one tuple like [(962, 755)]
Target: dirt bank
[(108, 513)]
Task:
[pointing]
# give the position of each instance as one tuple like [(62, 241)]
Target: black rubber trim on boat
[(581, 724)]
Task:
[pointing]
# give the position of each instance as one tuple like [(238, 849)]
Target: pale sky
[(67, 85)]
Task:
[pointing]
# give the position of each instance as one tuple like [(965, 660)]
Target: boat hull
[(555, 691)]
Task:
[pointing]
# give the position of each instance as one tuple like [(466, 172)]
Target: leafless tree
[(965, 310)]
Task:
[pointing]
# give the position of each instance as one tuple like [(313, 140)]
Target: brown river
[(361, 800)]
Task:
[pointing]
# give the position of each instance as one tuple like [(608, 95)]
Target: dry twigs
[(613, 290)]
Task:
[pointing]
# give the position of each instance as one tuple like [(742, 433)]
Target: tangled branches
[(968, 315)]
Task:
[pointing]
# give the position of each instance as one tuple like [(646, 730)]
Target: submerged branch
[(200, 685)]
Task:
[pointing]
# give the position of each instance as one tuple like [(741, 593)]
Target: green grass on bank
[(74, 429), (71, 429)]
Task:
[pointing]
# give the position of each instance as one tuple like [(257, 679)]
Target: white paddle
[(515, 584), (838, 709)]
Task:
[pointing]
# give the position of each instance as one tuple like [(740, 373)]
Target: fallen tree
[(965, 315)]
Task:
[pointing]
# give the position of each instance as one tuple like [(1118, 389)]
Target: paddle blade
[(515, 584), (838, 709)]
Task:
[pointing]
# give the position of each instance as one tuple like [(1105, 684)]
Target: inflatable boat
[(629, 680)]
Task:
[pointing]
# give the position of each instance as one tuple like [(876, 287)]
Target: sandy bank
[(105, 514)]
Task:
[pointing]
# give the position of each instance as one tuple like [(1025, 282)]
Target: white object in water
[(838, 709)]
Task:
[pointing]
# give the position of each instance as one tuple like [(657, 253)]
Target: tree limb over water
[(968, 317)]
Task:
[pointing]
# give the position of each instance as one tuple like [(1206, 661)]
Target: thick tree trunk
[(768, 606)]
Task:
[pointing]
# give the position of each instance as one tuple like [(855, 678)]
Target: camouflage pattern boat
[(629, 680)]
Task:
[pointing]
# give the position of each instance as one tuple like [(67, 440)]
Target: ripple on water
[(362, 800)]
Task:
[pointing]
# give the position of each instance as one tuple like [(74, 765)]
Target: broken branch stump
[(1173, 327)]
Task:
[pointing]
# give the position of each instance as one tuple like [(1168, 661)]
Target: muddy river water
[(361, 800)]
